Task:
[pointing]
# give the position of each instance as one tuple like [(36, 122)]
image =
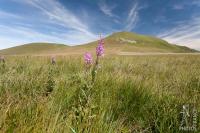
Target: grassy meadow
[(130, 94)]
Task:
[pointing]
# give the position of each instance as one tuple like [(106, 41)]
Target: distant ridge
[(115, 43)]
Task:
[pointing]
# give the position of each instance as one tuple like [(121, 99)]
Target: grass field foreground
[(130, 94)]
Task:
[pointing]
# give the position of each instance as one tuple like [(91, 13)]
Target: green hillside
[(33, 48), (114, 44), (132, 42)]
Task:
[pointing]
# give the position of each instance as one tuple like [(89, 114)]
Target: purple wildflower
[(100, 48), (2, 59), (88, 58), (53, 60)]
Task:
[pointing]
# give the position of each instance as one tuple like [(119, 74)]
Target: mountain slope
[(133, 42), (114, 44), (33, 48)]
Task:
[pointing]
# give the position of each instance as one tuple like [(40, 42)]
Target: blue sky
[(80, 21)]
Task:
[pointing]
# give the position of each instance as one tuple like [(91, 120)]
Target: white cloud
[(184, 4), (48, 11), (13, 36), (178, 7), (106, 9), (160, 19), (60, 15), (186, 34), (195, 2), (73, 31), (4, 14), (132, 17)]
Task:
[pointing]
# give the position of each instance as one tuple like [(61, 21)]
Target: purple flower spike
[(88, 58), (100, 48), (53, 60), (2, 59)]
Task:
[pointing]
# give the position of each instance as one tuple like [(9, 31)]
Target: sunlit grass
[(130, 94)]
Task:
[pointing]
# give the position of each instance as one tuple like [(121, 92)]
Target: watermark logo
[(188, 118)]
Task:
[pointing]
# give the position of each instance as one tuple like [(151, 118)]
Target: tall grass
[(130, 94)]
